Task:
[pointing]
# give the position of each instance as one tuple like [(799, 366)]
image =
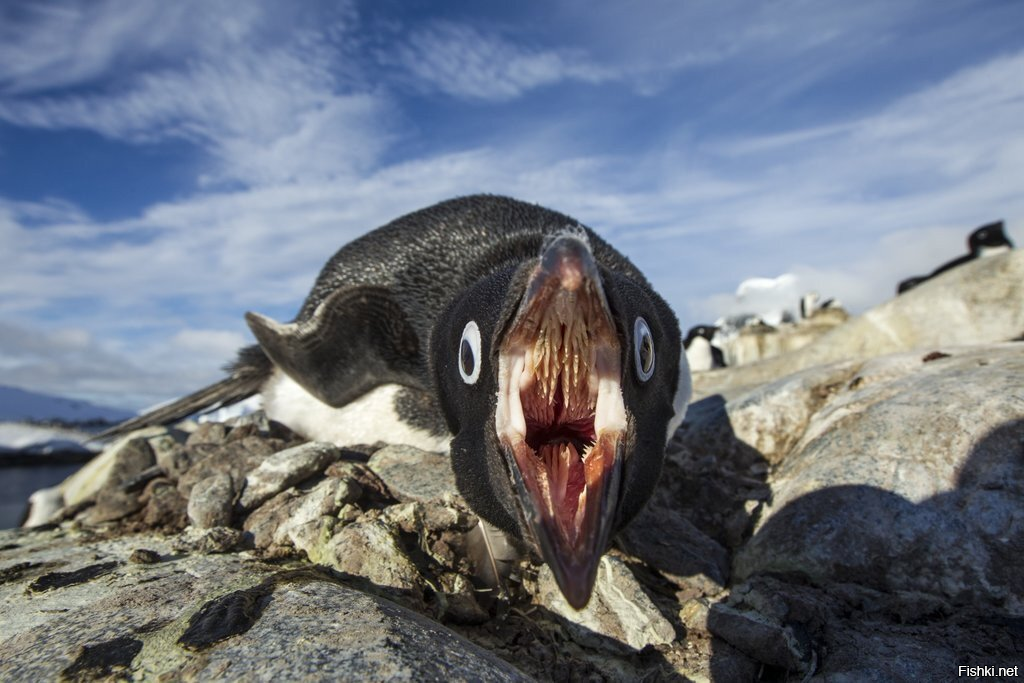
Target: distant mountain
[(17, 405)]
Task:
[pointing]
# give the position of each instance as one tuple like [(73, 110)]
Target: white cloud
[(57, 44), (857, 205), (73, 362), (459, 60), (218, 343), (269, 103), (152, 304)]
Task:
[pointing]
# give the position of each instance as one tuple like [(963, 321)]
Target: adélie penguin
[(988, 240), (558, 371), (701, 352)]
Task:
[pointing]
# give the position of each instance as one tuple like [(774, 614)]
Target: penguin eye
[(643, 350), (469, 353)]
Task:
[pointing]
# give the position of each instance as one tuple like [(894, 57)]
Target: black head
[(705, 331), (561, 380), (988, 236)]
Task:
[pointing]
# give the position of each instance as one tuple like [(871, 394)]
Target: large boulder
[(895, 519)]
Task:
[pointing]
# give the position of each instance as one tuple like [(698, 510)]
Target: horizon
[(165, 168)]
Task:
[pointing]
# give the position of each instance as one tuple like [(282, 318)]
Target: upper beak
[(560, 417)]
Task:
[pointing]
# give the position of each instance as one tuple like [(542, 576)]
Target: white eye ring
[(469, 353), (643, 350)]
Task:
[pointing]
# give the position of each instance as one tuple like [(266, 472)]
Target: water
[(19, 481)]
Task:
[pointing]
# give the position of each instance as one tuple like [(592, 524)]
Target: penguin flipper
[(247, 377), (357, 339)]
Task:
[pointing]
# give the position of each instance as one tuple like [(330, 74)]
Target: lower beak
[(573, 561)]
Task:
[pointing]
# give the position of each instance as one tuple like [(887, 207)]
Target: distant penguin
[(910, 283), (505, 332), (701, 354), (988, 240), (811, 303)]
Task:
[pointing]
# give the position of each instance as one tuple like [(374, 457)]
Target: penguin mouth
[(560, 414)]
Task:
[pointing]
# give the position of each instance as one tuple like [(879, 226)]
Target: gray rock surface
[(284, 468), (206, 617), (895, 510), (372, 551), (665, 539), (412, 474), (908, 478), (619, 612), (212, 501)]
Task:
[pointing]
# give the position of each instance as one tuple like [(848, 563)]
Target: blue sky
[(165, 167)]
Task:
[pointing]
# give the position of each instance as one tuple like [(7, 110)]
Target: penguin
[(988, 240), (506, 333), (701, 353), (811, 303)]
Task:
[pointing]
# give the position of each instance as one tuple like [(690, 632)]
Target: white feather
[(370, 418)]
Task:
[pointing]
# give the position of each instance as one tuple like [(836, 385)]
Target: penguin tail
[(248, 373)]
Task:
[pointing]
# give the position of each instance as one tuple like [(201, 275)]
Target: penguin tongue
[(560, 414)]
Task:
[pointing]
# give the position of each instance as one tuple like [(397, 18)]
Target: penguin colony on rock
[(505, 332), (707, 346)]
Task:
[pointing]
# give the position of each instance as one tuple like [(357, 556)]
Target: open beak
[(560, 416)]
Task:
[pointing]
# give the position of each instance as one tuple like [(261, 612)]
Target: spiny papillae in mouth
[(569, 373)]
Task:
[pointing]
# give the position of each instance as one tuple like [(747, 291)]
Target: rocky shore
[(852, 511)]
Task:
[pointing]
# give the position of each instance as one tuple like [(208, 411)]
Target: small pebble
[(144, 556)]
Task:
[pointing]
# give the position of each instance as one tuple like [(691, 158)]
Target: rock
[(256, 419), (374, 493), (115, 500), (212, 501), (414, 475), (370, 551), (303, 519), (351, 635), (237, 458), (218, 539), (970, 304), (460, 603), (144, 556), (207, 433), (285, 468), (757, 342), (43, 506), (619, 617), (908, 426), (204, 617), (911, 480), (87, 481), (169, 451), (762, 638), (769, 419), (861, 519), (665, 540), (164, 507), (864, 635)]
